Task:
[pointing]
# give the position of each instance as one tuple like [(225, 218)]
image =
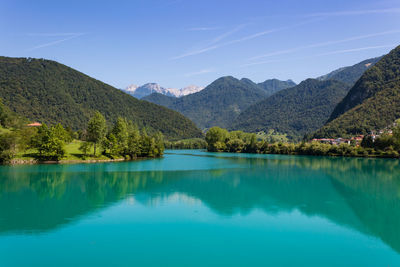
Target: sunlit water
[(193, 208)]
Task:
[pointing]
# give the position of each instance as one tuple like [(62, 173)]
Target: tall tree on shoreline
[(49, 141), (121, 133), (97, 129)]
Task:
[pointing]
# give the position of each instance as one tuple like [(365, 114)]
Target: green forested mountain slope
[(294, 111), (216, 105), (270, 86), (50, 92), (373, 102), (375, 113), (374, 80), (352, 73), (274, 85), (160, 99)]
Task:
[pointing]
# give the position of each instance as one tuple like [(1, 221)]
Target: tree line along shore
[(221, 140), (218, 139), (29, 143), (21, 142)]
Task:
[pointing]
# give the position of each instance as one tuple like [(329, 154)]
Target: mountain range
[(293, 111), (350, 100), (347, 101), (47, 91), (372, 103), (221, 101), (276, 105), (303, 108), (150, 88)]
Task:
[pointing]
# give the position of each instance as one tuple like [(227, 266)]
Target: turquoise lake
[(193, 208)]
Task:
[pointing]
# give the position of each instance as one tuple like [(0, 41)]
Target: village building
[(34, 124)]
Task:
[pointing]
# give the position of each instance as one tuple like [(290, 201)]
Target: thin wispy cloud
[(355, 12), (210, 45), (57, 34), (196, 52), (199, 72), (343, 51), (322, 44), (199, 29), (200, 51), (203, 50), (259, 34), (246, 38), (261, 62), (355, 50), (70, 36), (227, 34), (394, 10)]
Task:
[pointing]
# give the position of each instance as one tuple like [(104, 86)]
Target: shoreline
[(315, 155), (65, 161), (15, 162)]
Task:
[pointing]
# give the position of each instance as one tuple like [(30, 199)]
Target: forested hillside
[(373, 103), (374, 80), (161, 99), (218, 104), (294, 111), (274, 85), (350, 74), (270, 86), (50, 92)]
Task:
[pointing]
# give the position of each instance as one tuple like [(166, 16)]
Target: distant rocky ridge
[(150, 88)]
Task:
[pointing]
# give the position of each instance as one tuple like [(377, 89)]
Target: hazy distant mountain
[(352, 73), (150, 88)]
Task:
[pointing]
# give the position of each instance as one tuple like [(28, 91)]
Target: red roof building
[(34, 124)]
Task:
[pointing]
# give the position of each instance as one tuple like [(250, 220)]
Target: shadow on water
[(362, 194)]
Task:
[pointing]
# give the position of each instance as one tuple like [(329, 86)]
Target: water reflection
[(363, 194)]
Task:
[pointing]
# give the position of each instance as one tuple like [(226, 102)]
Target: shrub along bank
[(220, 140)]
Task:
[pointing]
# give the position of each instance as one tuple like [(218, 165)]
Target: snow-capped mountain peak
[(191, 89), (131, 88), (149, 88)]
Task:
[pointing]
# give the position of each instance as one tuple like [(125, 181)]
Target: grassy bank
[(31, 143), (73, 154)]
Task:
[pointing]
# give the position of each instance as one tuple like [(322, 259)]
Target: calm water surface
[(193, 208)]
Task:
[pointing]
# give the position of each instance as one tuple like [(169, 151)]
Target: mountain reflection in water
[(361, 194)]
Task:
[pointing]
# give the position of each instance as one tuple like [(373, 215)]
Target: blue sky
[(181, 42)]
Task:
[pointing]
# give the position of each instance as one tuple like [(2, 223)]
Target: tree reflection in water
[(363, 194)]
